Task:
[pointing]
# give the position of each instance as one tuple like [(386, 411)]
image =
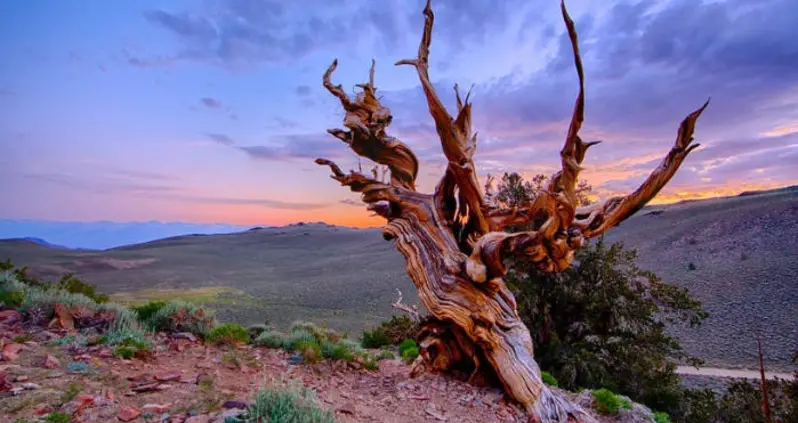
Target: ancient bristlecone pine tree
[(453, 239)]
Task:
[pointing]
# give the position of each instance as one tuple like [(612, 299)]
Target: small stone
[(31, 344), (11, 351), (202, 418), (10, 317), (22, 378), (17, 391), (235, 404), (434, 414), (51, 362), (169, 376), (30, 386), (145, 387), (127, 414), (233, 412), (155, 408), (42, 411), (185, 335), (142, 377), (348, 408)]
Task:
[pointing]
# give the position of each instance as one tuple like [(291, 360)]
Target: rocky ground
[(186, 381)]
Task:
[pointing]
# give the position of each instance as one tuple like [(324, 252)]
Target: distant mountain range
[(735, 254), (103, 235)]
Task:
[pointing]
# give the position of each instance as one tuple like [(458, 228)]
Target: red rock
[(235, 404), (10, 317), (169, 376), (347, 408), (185, 335), (51, 362), (5, 385), (84, 401), (105, 353), (11, 351), (155, 408), (145, 387), (44, 410), (109, 395), (63, 317), (127, 414), (140, 377)]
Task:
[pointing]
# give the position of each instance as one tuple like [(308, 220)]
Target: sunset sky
[(213, 111)]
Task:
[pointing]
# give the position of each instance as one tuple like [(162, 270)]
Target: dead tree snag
[(453, 240)]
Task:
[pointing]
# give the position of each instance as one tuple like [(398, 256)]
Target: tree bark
[(452, 241)]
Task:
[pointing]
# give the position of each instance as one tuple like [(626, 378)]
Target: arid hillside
[(739, 255)]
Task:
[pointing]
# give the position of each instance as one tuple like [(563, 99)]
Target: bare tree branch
[(455, 135), (453, 240), (411, 310), (596, 219), (367, 121)]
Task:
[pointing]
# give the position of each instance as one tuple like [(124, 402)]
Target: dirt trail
[(731, 373)]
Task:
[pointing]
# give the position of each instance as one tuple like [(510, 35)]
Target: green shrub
[(743, 401), (128, 344), (353, 346), (370, 362), (548, 379), (228, 334), (145, 311), (337, 351), (662, 417), (310, 351), (606, 402), (43, 301), (375, 339), (182, 316), (57, 417), (70, 283), (256, 330), (698, 406), (385, 355), (298, 337), (288, 404), (408, 350), (124, 352), (12, 293), (410, 354), (321, 334), (398, 329), (271, 339)]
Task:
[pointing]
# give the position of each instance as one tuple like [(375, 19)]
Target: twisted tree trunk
[(452, 240)]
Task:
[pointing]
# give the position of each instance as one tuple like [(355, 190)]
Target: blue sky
[(212, 111)]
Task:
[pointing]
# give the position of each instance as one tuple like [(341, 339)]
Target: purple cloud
[(211, 102)]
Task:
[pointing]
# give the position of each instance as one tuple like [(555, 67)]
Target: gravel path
[(732, 373)]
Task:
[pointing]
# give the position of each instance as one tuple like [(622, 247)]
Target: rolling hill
[(739, 255)]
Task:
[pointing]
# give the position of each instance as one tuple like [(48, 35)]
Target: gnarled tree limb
[(412, 311), (597, 219), (455, 135), (367, 120), (453, 240)]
